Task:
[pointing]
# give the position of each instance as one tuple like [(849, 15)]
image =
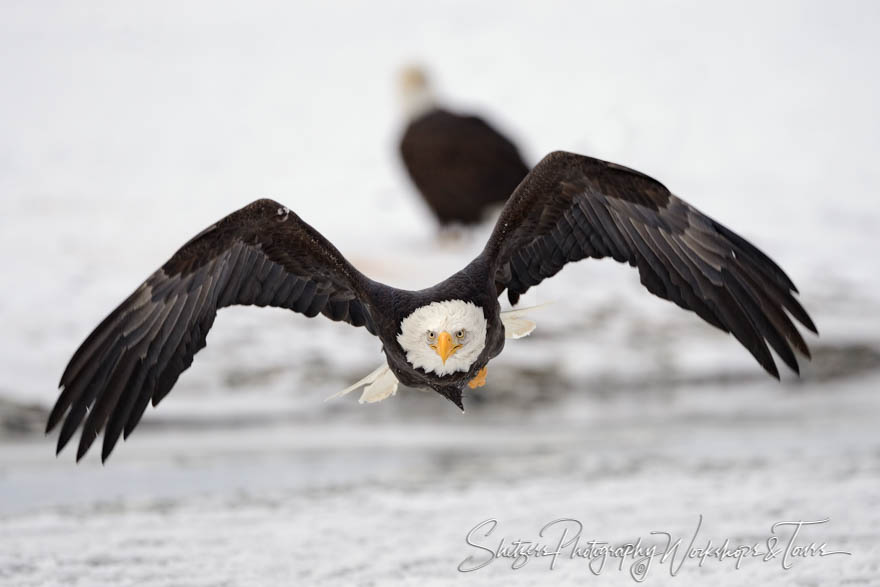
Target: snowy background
[(126, 129)]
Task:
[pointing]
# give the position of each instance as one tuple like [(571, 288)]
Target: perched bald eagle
[(569, 208), (459, 163)]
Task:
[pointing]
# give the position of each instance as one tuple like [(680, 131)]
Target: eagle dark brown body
[(460, 165)]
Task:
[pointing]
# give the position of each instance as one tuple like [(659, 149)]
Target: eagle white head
[(444, 337), (416, 94)]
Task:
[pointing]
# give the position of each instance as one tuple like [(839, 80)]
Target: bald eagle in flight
[(570, 207), (459, 163)]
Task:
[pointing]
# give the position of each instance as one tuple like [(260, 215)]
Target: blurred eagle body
[(460, 164), (441, 338)]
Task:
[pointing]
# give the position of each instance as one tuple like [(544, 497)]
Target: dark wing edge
[(572, 207), (262, 255)]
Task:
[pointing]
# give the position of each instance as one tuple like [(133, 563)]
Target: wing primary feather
[(745, 331), (80, 407), (107, 395), (190, 316), (775, 312), (761, 321), (126, 378), (88, 356), (96, 339), (139, 401), (779, 295), (746, 247)]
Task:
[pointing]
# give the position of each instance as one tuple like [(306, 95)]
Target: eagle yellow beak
[(444, 346)]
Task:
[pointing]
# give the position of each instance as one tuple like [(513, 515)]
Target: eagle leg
[(480, 379)]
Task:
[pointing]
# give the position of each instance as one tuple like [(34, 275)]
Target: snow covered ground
[(125, 129)]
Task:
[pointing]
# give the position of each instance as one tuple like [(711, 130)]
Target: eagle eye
[(461, 334)]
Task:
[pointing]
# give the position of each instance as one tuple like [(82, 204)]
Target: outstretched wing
[(571, 207), (262, 255)]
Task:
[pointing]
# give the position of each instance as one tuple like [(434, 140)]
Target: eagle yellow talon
[(479, 380)]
